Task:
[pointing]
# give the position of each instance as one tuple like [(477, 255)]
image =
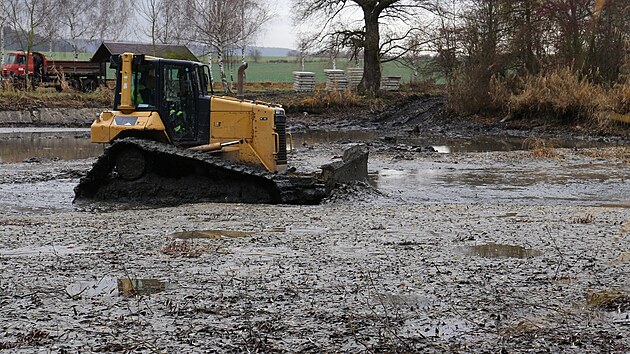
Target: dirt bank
[(490, 266), (396, 113), (426, 115), (47, 117)]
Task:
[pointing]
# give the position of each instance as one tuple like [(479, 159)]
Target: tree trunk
[(1, 43), (210, 66), (530, 59), (371, 81), (75, 49), (224, 82)]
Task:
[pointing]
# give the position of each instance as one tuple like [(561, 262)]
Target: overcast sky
[(279, 31)]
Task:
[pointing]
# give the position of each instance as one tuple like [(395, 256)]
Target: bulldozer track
[(178, 176)]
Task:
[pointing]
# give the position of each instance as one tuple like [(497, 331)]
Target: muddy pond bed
[(497, 251)]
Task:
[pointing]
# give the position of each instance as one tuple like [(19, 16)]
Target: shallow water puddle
[(17, 145), (110, 286), (443, 145), (276, 229), (488, 143), (324, 136), (210, 234), (52, 250), (534, 184), (131, 287), (496, 250)]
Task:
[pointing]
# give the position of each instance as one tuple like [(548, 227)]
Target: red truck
[(80, 75)]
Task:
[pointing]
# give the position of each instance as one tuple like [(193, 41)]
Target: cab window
[(11, 59), (203, 80), (143, 86), (180, 92), (207, 76)]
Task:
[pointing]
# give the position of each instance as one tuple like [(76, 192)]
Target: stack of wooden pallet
[(303, 81), (354, 76), (390, 83), (335, 80)]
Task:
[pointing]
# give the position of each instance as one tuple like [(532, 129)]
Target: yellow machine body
[(255, 125)]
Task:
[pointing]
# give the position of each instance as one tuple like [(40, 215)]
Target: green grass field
[(270, 69), (277, 69)]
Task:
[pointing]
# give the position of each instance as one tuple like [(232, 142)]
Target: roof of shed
[(169, 51)]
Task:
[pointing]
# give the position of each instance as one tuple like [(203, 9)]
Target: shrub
[(468, 94)]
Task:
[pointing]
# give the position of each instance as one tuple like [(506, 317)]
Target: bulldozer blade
[(353, 167)]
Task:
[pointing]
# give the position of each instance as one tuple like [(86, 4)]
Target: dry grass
[(617, 153), (609, 300), (331, 99), (323, 101), (560, 94), (540, 148), (6, 86), (182, 249), (49, 97), (524, 327), (625, 228), (583, 219)]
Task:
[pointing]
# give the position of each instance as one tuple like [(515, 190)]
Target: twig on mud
[(358, 340), (76, 296), (465, 318), (557, 248), (142, 344), (56, 254), (437, 268), (389, 327)]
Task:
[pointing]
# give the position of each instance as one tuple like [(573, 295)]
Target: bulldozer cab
[(177, 90)]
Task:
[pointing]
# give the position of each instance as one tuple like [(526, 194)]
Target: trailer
[(43, 72)]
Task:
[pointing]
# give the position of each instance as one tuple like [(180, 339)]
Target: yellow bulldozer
[(172, 141)]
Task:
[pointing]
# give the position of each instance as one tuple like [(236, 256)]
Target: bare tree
[(114, 27), (398, 16), (28, 18), (445, 38), (3, 21), (415, 57), (216, 27), (225, 24), (304, 46), (166, 21), (79, 22), (255, 54), (254, 14)]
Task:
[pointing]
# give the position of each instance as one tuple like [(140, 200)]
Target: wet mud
[(495, 251)]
